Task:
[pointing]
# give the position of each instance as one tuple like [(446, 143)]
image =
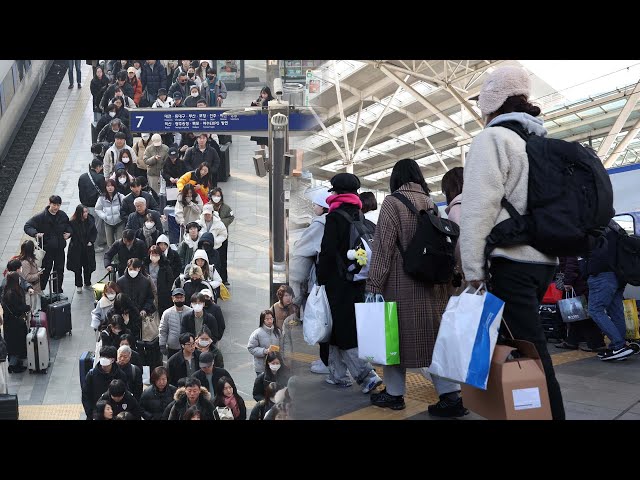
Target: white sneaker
[(319, 367), (78, 289), (371, 384)]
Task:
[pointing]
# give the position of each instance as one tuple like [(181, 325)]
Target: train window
[(8, 90), (626, 222)]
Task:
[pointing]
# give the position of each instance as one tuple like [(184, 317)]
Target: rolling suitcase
[(59, 316), (8, 407), (38, 350), (86, 364), (49, 298)]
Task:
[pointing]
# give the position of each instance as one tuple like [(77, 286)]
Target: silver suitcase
[(38, 350)]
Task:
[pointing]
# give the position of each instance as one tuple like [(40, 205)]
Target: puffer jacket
[(218, 229), (99, 314), (153, 402), (109, 210), (180, 407), (188, 213), (259, 341), (170, 323)]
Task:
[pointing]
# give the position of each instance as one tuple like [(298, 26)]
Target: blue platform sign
[(162, 120)]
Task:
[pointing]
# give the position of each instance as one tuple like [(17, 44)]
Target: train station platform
[(592, 389)]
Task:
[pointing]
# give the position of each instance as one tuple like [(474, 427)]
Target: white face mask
[(111, 296), (204, 343), (145, 137), (155, 258), (194, 94), (274, 368), (216, 199), (112, 114), (149, 225), (105, 361), (133, 273), (122, 180), (197, 307), (126, 160)]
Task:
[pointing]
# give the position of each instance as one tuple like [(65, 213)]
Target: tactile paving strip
[(51, 412)]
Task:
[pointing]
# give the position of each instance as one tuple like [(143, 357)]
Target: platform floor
[(592, 389)]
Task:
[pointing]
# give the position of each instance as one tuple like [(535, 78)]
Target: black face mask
[(178, 304), (211, 77)]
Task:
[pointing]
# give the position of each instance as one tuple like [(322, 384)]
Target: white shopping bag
[(317, 320), (146, 375), (377, 328), (466, 339)]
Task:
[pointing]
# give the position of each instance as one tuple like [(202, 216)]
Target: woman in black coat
[(157, 267), (81, 255), (124, 306), (154, 400), (15, 327), (99, 85), (275, 371)]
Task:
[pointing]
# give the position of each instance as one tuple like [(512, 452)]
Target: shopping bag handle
[(469, 287), (373, 298)]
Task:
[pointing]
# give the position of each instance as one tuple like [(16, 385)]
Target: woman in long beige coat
[(420, 305), (31, 273)]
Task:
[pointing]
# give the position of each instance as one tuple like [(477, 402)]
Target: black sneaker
[(226, 284), (70, 86), (619, 354), (635, 346), (384, 400), (446, 408)]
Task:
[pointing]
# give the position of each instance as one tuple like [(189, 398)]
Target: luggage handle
[(107, 274)]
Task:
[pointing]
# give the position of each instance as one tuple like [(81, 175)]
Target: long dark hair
[(212, 192), (188, 189), (27, 251), (77, 215), (112, 182), (206, 180), (518, 103), (452, 183), (405, 171), (263, 314), (12, 285), (219, 400)]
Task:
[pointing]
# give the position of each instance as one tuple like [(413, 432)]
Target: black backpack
[(570, 199), (627, 266), (429, 257), (360, 236)]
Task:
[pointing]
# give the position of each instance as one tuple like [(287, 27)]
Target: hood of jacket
[(533, 125), (181, 394), (200, 254), (104, 302), (192, 243), (206, 237), (321, 219), (163, 239)]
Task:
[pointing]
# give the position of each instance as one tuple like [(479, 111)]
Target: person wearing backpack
[(605, 295), (420, 304), (497, 167), (342, 291)]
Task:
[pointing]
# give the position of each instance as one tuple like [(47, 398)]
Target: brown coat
[(420, 306)]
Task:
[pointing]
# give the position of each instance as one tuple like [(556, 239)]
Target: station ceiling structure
[(377, 112)]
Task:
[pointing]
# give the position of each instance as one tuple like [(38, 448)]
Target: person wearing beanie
[(302, 268), (342, 293), (497, 167)]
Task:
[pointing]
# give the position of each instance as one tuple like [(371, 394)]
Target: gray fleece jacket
[(496, 166)]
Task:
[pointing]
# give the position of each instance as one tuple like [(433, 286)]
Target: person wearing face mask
[(170, 255), (204, 343), (213, 309), (209, 373), (99, 378), (104, 120), (123, 180), (159, 270), (129, 165), (138, 287), (264, 339), (195, 320), (115, 327), (139, 148), (170, 323), (113, 153), (194, 96), (274, 371), (104, 306), (188, 205), (155, 157), (226, 216), (192, 74), (141, 218), (118, 123), (263, 406), (302, 268), (181, 86), (126, 248), (148, 233)]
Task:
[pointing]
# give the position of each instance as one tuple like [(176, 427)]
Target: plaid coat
[(420, 306)]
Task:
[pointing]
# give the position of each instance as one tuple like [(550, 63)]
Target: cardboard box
[(517, 387)]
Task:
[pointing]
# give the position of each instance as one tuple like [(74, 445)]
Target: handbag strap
[(94, 183)]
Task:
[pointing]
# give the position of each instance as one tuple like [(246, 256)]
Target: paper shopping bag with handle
[(467, 337), (377, 329)]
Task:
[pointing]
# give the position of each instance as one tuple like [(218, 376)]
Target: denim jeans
[(78, 65), (605, 294)]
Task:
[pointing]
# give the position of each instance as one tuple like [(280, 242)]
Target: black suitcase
[(8, 407), (59, 318), (224, 171), (554, 328), (86, 364), (49, 298)]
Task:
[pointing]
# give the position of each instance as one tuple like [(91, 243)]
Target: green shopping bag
[(377, 328)]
